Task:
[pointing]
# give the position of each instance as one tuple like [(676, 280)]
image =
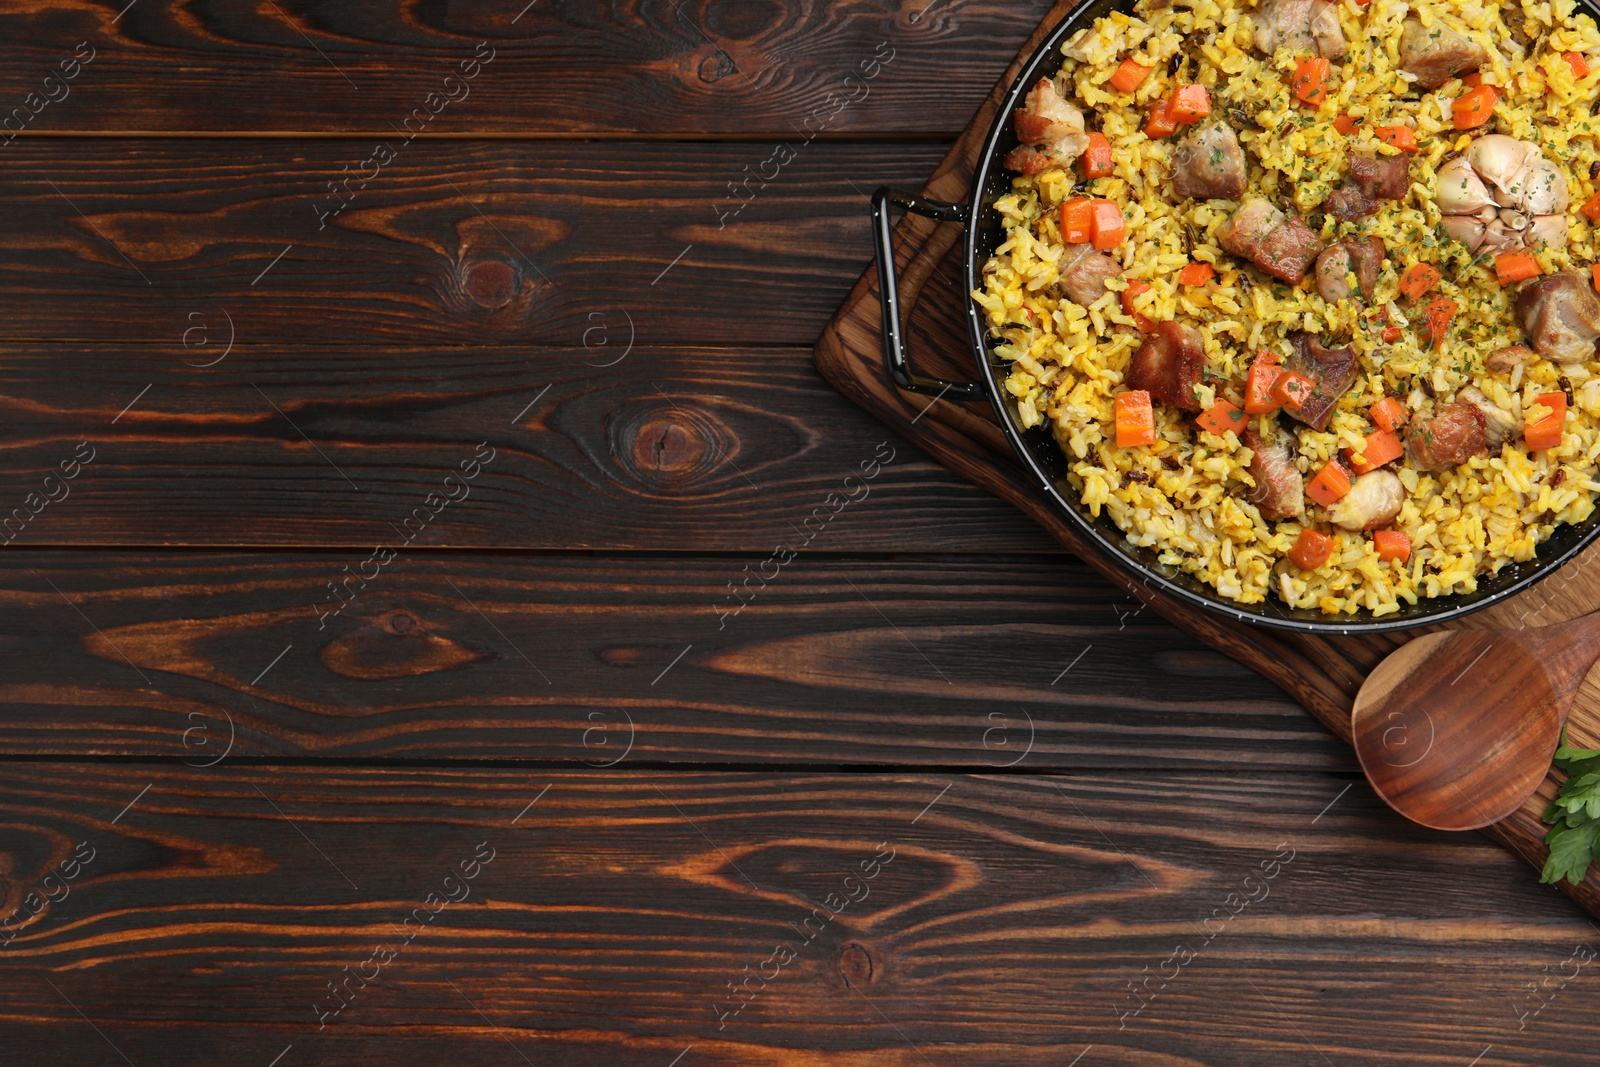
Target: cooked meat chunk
[(1561, 317), (1348, 203), (1373, 501), (1362, 256), (1333, 370), (1453, 434), (1208, 163), (1438, 54), (1050, 129), (1280, 492), (1299, 25), (1168, 366), (1279, 245), (1503, 360), (1084, 272), (1370, 180), (1499, 425), (1381, 177)]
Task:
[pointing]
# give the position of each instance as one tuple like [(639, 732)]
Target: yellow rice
[(1464, 522)]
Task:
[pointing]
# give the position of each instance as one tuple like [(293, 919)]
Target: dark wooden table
[(402, 407)]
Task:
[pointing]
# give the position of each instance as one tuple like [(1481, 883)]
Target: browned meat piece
[(1333, 370), (1300, 25), (1373, 501), (1499, 425), (1381, 177), (1370, 180), (1436, 55), (1452, 435), (1168, 366), (1561, 316), (1280, 492), (1279, 245), (1348, 203), (1361, 255), (1502, 360), (1050, 129), (1208, 163), (1084, 272)]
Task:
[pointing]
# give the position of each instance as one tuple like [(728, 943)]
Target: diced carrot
[(1311, 80), (1512, 267), (1579, 65), (1345, 124), (1331, 483), (1258, 398), (1135, 287), (1381, 447), (1161, 123), (1391, 334), (1076, 216), (1096, 157), (1221, 417), (1595, 271), (1388, 413), (1135, 418), (1293, 389), (1129, 76), (1473, 80), (1190, 103), (1196, 274), (1418, 279), (1545, 431), (1402, 137), (1591, 207), (1474, 107), (1107, 226), (1392, 544), (1436, 318), (1312, 549)]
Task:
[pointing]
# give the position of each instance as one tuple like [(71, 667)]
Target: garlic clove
[(1459, 190), (1543, 188), (1499, 237), (1547, 231), (1501, 161), (1466, 229)]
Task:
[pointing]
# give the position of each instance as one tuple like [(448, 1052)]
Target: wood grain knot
[(670, 446), (491, 283), (855, 965), (396, 644), (715, 66)]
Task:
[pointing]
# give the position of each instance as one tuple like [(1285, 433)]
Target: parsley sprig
[(1574, 815)]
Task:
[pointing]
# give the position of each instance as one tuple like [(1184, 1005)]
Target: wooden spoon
[(1456, 729)]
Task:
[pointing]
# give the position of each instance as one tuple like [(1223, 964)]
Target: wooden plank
[(980, 663), (555, 66), (597, 445), (449, 242), (1002, 923)]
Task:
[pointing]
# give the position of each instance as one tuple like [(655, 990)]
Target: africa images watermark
[(786, 952), (32, 905), (349, 187), (53, 90), (412, 526), (821, 516), (350, 982), (817, 121), (12, 525)]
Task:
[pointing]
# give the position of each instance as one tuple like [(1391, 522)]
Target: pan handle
[(894, 349)]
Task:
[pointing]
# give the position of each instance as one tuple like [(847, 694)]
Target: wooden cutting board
[(1321, 673)]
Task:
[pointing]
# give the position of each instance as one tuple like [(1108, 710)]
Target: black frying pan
[(1037, 449)]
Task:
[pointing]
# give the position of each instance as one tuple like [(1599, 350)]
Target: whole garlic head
[(1502, 195)]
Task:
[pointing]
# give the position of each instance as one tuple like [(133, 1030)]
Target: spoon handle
[(1568, 649)]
